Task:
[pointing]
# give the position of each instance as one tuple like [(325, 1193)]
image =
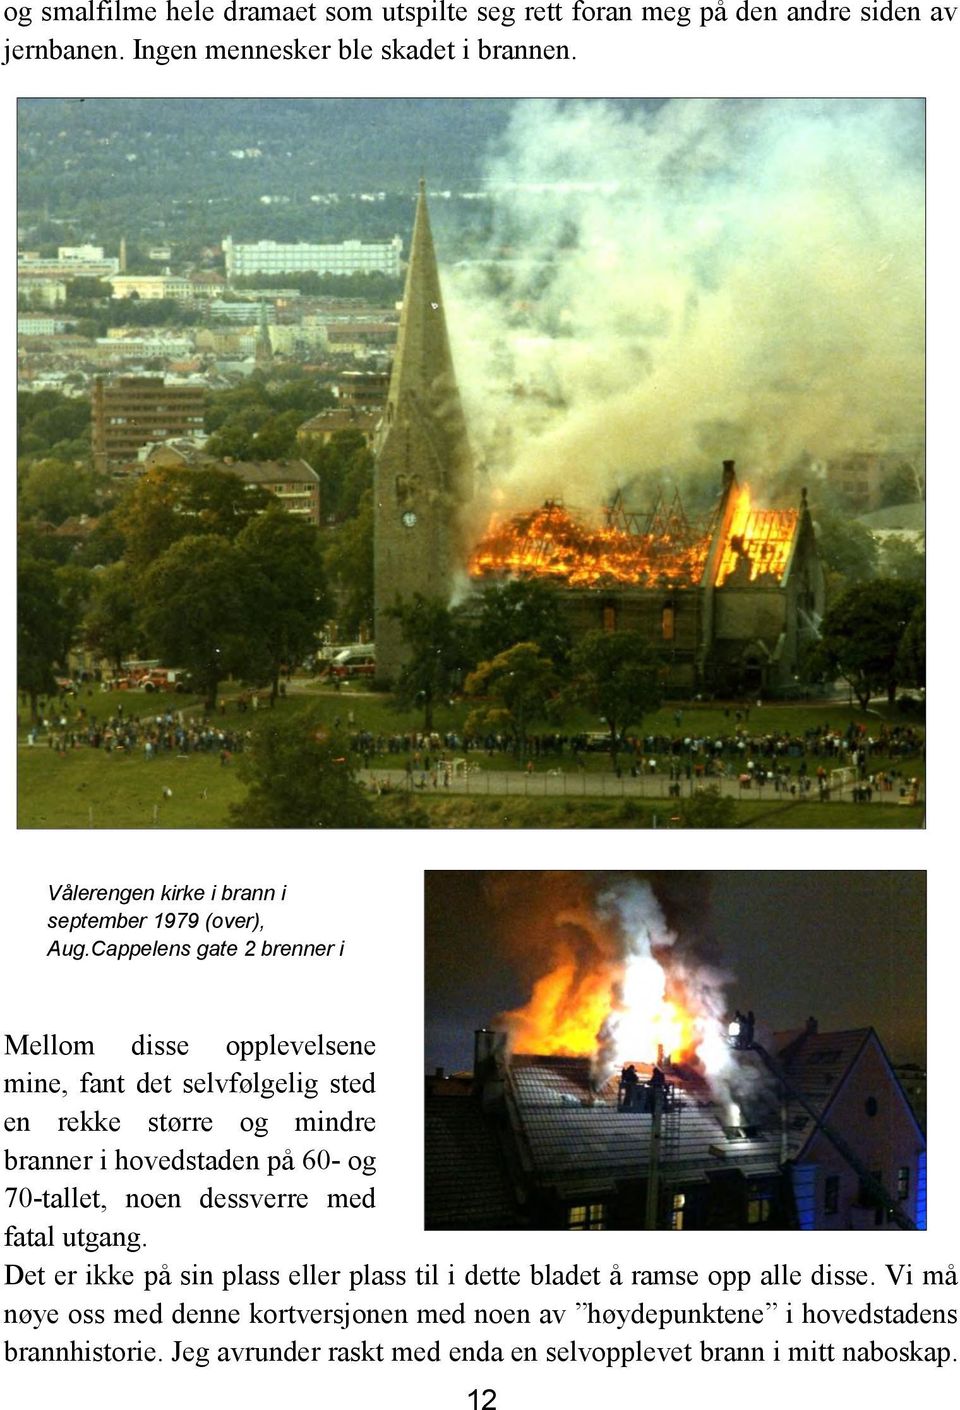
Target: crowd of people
[(763, 756), (164, 732), (784, 761)]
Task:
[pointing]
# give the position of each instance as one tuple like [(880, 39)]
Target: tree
[(285, 587), (73, 585), (519, 685), (349, 561), (847, 548), (912, 656), (40, 626), (615, 675), (901, 557), (707, 808), (862, 634), (195, 609), (276, 439), (56, 490), (434, 639), (344, 465), (300, 775), (521, 610), (47, 420), (111, 626), (172, 503)]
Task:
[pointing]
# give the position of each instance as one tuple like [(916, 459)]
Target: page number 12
[(488, 1401)]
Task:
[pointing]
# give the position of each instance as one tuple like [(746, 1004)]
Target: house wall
[(884, 1142)]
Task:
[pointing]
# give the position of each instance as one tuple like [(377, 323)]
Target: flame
[(550, 542), (566, 1012), (758, 542), (629, 1010)]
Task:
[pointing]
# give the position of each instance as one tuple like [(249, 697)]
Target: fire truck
[(354, 661)]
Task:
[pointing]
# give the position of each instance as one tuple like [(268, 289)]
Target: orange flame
[(566, 1012), (574, 1014), (551, 543), (758, 542)]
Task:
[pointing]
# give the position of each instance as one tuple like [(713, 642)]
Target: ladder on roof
[(670, 1140)]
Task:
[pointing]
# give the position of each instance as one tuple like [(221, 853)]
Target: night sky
[(848, 947)]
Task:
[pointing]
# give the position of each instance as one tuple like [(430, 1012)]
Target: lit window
[(586, 1216), (609, 618), (758, 1209), (667, 623), (903, 1182), (676, 1215)]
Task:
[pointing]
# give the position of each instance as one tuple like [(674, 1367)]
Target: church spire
[(423, 469), (263, 351), (423, 366)]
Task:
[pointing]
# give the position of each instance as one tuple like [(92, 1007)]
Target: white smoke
[(653, 964), (691, 280)]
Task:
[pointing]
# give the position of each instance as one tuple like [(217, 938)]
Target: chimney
[(489, 1052), (812, 1025), (729, 474)]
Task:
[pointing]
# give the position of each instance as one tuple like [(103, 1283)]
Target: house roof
[(576, 1139), (467, 1185), (269, 472), (340, 419), (817, 1065)]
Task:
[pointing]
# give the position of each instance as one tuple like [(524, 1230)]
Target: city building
[(327, 424), (152, 286), (365, 391), (72, 262), (294, 483), (348, 257), (132, 412), (38, 327)]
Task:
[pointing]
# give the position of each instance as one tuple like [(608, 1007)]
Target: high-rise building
[(133, 412), (423, 472)]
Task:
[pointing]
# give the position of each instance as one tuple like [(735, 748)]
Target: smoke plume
[(678, 282)]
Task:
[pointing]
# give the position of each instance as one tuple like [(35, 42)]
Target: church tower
[(423, 471), (263, 349)]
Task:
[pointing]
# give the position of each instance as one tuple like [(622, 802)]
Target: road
[(581, 783)]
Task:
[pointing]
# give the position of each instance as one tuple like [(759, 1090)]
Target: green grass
[(89, 788), (441, 812)]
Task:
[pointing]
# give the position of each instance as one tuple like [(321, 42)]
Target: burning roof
[(551, 543), (662, 548)]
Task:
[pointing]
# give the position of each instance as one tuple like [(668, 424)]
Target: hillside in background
[(193, 170)]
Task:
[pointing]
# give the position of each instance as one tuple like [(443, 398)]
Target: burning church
[(625, 1095), (726, 600)]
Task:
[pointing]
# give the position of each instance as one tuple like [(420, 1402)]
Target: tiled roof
[(816, 1065), (466, 1185), (269, 472), (574, 1138)]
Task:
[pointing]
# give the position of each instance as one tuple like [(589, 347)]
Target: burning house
[(727, 601), (624, 1096), (533, 1142)]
